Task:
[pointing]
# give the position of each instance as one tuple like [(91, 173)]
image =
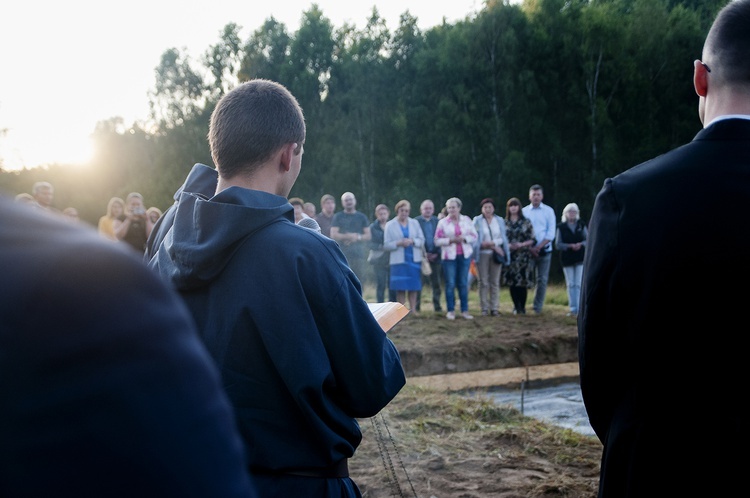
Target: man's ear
[(700, 78), (287, 154)]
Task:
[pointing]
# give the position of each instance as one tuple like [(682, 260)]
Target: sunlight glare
[(70, 148)]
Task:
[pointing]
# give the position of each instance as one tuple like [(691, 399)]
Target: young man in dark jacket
[(281, 312)]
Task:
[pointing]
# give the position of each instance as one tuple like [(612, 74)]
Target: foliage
[(557, 92)]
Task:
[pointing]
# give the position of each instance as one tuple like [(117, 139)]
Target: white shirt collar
[(728, 116)]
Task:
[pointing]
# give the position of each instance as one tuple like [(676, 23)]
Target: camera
[(139, 211)]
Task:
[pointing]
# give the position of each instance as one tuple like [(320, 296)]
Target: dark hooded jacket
[(278, 308)]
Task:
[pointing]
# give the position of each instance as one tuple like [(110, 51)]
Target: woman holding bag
[(490, 254)]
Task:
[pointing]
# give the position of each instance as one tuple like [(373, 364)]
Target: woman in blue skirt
[(404, 240)]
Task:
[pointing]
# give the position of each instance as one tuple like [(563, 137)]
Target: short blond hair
[(402, 203)]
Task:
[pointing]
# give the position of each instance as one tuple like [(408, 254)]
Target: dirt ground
[(439, 443)]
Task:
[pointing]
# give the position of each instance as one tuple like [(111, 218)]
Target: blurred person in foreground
[(105, 387), (281, 312), (662, 371)]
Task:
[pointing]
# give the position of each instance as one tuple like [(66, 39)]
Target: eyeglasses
[(706, 66)]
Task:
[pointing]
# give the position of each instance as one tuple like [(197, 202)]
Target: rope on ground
[(385, 455)]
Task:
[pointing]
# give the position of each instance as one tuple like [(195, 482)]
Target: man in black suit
[(665, 296)]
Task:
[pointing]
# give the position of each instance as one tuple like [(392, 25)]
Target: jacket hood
[(207, 231)]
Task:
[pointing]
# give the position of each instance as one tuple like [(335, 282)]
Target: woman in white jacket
[(456, 235), (404, 240)]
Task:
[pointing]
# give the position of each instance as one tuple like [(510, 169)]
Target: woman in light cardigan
[(456, 235), (404, 240), (491, 240)]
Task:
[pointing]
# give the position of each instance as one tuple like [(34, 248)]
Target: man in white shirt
[(544, 222)]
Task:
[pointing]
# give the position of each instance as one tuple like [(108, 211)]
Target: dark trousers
[(434, 281), (518, 295), (381, 281)]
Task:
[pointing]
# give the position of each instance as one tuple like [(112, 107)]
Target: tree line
[(564, 93)]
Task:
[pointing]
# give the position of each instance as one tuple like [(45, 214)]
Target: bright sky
[(64, 66)]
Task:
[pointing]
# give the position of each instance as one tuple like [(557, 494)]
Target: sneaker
[(494, 312), (467, 316), (484, 313), (450, 315)]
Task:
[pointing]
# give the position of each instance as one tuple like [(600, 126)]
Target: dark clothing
[(325, 223), (520, 272), (645, 327), (300, 353), (136, 234), (568, 236), (355, 253), (381, 265), (429, 227), (105, 387), (200, 180)]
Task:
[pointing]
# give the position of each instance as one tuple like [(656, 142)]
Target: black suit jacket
[(663, 315)]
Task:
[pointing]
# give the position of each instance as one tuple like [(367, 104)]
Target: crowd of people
[(513, 250), (237, 360), (124, 220)]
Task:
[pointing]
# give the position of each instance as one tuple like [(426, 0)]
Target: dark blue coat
[(280, 311), (105, 387)]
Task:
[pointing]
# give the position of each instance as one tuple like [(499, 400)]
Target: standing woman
[(404, 239), (115, 209), (570, 241), (519, 274), (378, 256), (456, 235), (491, 241)]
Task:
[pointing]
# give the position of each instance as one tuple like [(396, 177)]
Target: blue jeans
[(541, 267), (456, 273), (573, 278)]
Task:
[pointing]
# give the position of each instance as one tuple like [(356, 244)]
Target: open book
[(388, 314)]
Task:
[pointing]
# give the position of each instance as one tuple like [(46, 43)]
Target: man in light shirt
[(544, 222)]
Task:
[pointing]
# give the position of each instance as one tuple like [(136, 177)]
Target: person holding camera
[(133, 227)]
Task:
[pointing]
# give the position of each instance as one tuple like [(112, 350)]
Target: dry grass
[(448, 445)]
